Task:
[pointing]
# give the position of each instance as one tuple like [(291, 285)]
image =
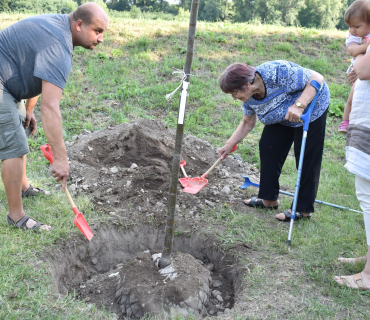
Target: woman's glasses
[(234, 94)]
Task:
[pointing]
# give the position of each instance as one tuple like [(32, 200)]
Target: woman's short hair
[(236, 76), (358, 9)]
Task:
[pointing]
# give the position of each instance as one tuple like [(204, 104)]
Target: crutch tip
[(289, 243)]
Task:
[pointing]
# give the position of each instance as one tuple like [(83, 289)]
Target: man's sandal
[(298, 216), (32, 191), (358, 283), (257, 203), (22, 223)]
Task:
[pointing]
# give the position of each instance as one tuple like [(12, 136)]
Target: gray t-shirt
[(35, 49)]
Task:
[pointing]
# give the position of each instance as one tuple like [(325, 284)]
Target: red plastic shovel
[(79, 219), (184, 181), (197, 184)]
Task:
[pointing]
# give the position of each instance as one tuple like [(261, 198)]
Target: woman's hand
[(294, 114), (224, 151), (352, 77)]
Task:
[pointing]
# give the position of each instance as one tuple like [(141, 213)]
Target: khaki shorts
[(13, 139)]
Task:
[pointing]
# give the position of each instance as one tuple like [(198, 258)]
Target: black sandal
[(22, 223), (298, 216), (257, 203), (32, 191)]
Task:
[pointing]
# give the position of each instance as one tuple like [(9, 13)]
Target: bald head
[(88, 24), (89, 11)]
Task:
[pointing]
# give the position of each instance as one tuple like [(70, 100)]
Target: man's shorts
[(13, 139)]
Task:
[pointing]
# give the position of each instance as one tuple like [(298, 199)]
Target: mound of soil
[(127, 170)]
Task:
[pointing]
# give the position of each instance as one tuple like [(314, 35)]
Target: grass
[(128, 77)]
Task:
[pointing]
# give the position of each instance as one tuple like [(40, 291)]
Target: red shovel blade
[(195, 185), (184, 181), (81, 224)]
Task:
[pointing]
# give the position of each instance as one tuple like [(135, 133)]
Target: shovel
[(184, 181), (197, 184), (79, 219)]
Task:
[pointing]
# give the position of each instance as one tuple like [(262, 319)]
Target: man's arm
[(51, 119), (30, 117)]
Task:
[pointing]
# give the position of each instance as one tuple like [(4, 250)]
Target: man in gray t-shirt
[(36, 57)]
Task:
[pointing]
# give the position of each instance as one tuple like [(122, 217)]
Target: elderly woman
[(278, 92)]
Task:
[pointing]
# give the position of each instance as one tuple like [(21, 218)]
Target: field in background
[(128, 77)]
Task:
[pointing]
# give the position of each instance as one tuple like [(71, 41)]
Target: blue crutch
[(248, 182), (306, 122)]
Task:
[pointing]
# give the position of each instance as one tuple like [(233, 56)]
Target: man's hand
[(60, 170), (30, 119), (294, 114), (352, 77)]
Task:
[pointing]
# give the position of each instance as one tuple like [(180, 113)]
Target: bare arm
[(246, 125), (30, 117), (362, 66), (294, 113), (355, 49), (52, 123)]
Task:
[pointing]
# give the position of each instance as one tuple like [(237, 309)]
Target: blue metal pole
[(248, 182), (306, 122)]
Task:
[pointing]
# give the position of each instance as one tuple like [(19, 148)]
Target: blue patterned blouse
[(284, 82)]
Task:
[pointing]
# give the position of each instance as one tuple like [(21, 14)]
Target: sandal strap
[(21, 223), (357, 278), (32, 191)]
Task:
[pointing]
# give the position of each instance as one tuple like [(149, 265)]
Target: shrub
[(135, 12)]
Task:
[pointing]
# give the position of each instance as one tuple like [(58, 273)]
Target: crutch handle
[(307, 114)]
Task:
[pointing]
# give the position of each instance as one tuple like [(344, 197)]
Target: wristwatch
[(300, 105)]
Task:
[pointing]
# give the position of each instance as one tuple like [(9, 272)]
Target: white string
[(183, 77)]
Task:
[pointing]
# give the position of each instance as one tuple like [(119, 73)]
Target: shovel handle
[(211, 168), (48, 153), (182, 164), (69, 197), (46, 150), (218, 161)]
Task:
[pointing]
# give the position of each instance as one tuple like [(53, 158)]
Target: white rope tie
[(183, 77)]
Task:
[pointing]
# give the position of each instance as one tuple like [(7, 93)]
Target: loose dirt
[(126, 170)]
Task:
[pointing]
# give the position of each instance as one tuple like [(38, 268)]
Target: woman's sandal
[(288, 215), (352, 260), (22, 223), (358, 283), (32, 191), (257, 203)]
